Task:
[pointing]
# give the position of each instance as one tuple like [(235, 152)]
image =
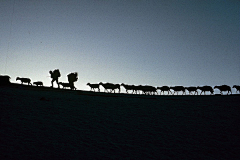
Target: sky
[(140, 42)]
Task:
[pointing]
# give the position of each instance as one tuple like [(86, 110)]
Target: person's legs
[(71, 85), (57, 82), (52, 82)]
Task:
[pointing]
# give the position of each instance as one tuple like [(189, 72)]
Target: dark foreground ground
[(56, 124)]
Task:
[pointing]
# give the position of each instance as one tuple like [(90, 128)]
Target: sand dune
[(57, 124)]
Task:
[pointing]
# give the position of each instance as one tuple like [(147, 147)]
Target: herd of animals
[(146, 89), (150, 90), (39, 83), (138, 89)]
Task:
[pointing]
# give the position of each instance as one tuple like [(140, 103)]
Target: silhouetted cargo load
[(4, 79)]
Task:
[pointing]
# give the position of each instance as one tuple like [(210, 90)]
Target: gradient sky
[(154, 42)]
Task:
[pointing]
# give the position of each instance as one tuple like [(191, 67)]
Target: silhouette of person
[(72, 77), (55, 75)]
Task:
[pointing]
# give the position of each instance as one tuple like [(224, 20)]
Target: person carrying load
[(72, 77), (55, 75)]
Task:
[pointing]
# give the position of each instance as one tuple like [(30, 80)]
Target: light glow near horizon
[(188, 43)]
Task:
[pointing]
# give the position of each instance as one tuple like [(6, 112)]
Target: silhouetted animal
[(110, 86), (147, 89), (24, 80), (224, 88), (67, 85), (38, 83), (205, 89), (237, 88), (134, 88), (178, 89), (164, 88), (94, 86), (128, 87), (118, 87), (4, 80), (137, 89), (192, 89)]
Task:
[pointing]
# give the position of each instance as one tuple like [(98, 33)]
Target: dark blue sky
[(161, 42)]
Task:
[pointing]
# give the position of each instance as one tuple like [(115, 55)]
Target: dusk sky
[(141, 42)]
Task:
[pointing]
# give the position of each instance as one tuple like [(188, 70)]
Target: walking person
[(55, 75), (72, 77)]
